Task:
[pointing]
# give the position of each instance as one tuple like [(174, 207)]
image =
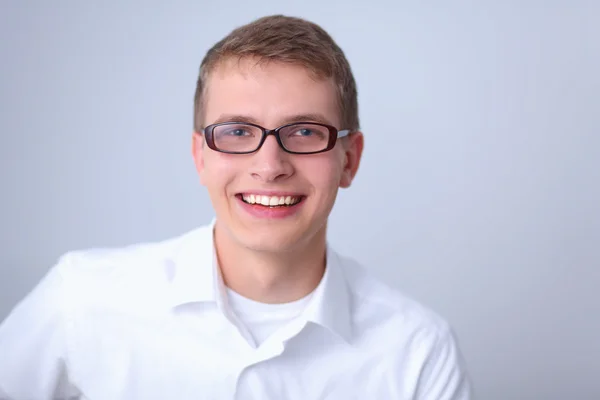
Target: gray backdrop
[(478, 193)]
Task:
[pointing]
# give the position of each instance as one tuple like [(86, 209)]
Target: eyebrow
[(313, 117)]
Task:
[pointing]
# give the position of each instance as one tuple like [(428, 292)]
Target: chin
[(272, 236), (267, 243)]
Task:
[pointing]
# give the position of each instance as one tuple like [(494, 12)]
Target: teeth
[(270, 201)]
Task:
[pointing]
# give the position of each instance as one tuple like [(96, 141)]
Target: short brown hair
[(290, 40)]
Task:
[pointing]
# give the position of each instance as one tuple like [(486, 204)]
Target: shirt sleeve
[(33, 345), (444, 376)]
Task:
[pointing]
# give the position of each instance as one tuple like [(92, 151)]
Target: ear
[(198, 154), (353, 149)]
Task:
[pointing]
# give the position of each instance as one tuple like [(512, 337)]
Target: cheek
[(325, 174), (219, 170)]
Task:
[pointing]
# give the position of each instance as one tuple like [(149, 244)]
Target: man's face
[(272, 95)]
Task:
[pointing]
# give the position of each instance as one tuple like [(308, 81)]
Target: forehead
[(269, 93)]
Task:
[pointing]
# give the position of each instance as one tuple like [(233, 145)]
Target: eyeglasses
[(296, 138)]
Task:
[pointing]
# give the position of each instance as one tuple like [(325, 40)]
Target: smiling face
[(270, 200)]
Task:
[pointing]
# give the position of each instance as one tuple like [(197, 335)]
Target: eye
[(304, 132), (237, 132)]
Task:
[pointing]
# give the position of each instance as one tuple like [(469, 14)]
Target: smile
[(271, 201)]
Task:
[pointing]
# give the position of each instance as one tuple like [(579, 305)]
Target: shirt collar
[(330, 305), (194, 274), (196, 278)]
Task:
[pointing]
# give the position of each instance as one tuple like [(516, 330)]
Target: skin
[(272, 260)]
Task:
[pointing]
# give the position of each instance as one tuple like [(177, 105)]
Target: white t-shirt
[(262, 319)]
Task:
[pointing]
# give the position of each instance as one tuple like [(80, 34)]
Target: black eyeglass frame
[(334, 135)]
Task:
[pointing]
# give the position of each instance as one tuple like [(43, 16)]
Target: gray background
[(478, 193)]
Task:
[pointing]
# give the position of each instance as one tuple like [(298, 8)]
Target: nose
[(271, 163)]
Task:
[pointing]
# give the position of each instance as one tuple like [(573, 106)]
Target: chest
[(118, 357)]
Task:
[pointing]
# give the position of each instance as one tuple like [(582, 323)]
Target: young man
[(255, 305)]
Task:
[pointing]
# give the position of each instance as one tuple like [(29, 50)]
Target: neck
[(271, 277)]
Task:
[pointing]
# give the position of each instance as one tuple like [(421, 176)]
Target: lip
[(265, 212)]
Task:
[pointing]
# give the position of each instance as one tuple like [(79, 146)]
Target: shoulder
[(405, 337), (395, 316), (131, 259), (122, 274)]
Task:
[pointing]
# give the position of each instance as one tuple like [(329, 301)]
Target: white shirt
[(152, 321)]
